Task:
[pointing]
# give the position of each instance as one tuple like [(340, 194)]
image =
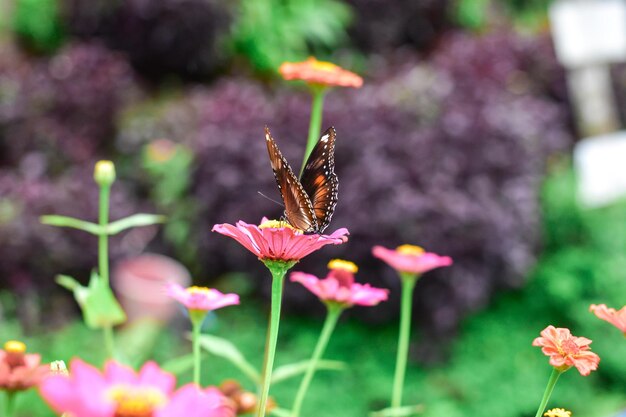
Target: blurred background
[(461, 141)]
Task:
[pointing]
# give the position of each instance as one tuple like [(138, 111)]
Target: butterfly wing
[(298, 207), (319, 180)]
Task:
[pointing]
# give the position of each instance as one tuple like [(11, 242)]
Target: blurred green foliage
[(269, 32), (479, 14), (37, 23)]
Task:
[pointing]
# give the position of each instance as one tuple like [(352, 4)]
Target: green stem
[(10, 404), (406, 307), (548, 392), (279, 270), (103, 259), (196, 327), (315, 124), (334, 311)]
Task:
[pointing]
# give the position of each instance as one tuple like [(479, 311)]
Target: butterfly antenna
[(270, 199)]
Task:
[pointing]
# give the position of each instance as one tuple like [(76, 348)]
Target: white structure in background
[(589, 35)]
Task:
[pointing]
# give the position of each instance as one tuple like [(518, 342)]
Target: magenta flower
[(277, 241), (339, 286), (201, 298), (411, 259), (120, 392)]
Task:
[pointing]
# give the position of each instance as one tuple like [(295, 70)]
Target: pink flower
[(339, 286), (566, 350), (616, 317), (201, 298), (273, 240), (19, 370), (120, 392), (411, 259)]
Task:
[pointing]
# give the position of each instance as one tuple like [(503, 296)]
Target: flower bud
[(104, 173), (58, 368)]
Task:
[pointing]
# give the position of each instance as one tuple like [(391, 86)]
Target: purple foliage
[(448, 154)]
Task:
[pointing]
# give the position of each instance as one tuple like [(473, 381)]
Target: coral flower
[(277, 241), (201, 298), (19, 370), (411, 259), (320, 73), (616, 317), (557, 412), (566, 350), (339, 286), (120, 392)]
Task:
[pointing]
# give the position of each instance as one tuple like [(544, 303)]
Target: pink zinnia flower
[(273, 240), (339, 286), (201, 298), (19, 370), (411, 259), (616, 317), (120, 392), (566, 350), (320, 73)]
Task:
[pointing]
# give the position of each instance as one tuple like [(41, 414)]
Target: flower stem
[(315, 124), (279, 270), (10, 404), (103, 259), (406, 307), (548, 392), (334, 311), (196, 327)]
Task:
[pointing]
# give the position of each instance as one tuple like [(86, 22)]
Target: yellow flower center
[(198, 290), (322, 65), (410, 250), (136, 402), (276, 224), (558, 412), (13, 346), (342, 264)]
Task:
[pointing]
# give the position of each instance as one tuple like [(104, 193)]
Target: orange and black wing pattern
[(298, 207)]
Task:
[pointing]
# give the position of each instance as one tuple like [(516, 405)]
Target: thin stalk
[(315, 124), (278, 278), (196, 352), (334, 311), (406, 307), (103, 259), (548, 392), (10, 404)]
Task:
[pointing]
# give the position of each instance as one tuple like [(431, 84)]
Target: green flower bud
[(104, 173)]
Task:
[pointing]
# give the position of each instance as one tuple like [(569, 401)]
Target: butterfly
[(309, 201)]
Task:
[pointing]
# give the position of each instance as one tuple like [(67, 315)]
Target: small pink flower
[(566, 350), (19, 370), (273, 240), (616, 317), (339, 286), (411, 259), (120, 392), (201, 298)]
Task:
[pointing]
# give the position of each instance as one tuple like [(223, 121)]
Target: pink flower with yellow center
[(201, 298), (120, 392), (566, 350), (616, 317), (277, 241), (19, 370), (320, 73), (411, 259), (339, 286)]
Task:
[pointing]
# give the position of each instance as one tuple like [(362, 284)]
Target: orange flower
[(566, 350), (616, 317), (320, 73)]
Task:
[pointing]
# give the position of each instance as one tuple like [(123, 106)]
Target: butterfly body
[(311, 199)]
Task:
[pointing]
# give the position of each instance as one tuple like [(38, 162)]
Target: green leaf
[(280, 412), (294, 369), (179, 365), (136, 340), (406, 411), (225, 349), (97, 302), (136, 220), (65, 221)]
